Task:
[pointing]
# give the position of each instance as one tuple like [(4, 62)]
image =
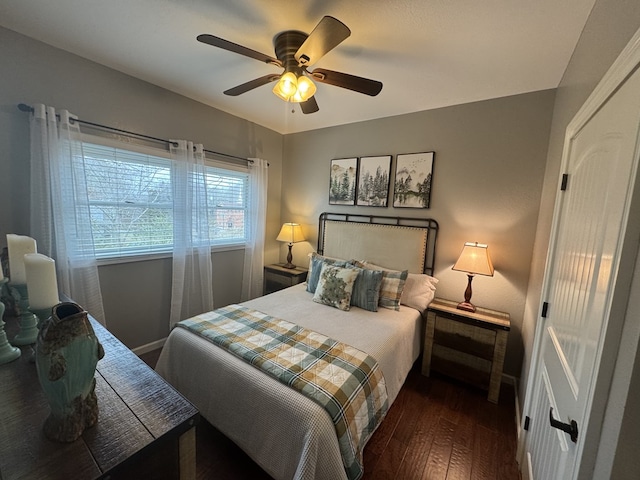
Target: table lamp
[(290, 233), (474, 260)]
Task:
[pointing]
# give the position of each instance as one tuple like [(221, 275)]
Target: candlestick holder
[(42, 314), (28, 321), (8, 353)]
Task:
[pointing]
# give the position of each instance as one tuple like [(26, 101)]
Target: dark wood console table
[(144, 425)]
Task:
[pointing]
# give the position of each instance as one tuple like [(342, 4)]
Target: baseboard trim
[(513, 381), (149, 347)]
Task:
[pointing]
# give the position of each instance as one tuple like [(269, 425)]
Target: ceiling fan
[(295, 51)]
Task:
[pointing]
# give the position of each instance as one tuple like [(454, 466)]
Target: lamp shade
[(475, 259), (290, 233), (306, 89), (286, 86), (294, 88)]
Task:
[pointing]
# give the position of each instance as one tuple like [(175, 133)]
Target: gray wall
[(137, 294), (488, 176)]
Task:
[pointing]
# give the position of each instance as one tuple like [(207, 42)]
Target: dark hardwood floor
[(437, 429)]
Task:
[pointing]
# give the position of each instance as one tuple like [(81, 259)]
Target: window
[(227, 203), (131, 201)]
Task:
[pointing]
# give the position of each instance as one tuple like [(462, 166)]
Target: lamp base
[(467, 307), (289, 258)]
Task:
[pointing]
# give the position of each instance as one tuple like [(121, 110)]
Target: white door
[(600, 163)]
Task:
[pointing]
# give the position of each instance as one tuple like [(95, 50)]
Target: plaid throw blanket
[(344, 380)]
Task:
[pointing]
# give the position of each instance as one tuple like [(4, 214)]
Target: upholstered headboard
[(399, 243)]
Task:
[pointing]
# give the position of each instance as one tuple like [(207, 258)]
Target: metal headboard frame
[(428, 224)]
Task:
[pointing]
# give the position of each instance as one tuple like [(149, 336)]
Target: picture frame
[(413, 180), (374, 177), (343, 177)]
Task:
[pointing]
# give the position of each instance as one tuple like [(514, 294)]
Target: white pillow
[(419, 290)]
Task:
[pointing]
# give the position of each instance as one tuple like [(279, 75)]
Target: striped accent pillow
[(366, 289)]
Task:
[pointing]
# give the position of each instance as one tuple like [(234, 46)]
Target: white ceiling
[(427, 53)]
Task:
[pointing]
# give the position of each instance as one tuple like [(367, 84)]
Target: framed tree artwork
[(342, 181), (414, 174), (373, 181)]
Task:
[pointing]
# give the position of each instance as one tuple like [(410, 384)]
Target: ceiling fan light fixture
[(306, 89), (286, 86), (295, 52), (291, 88)]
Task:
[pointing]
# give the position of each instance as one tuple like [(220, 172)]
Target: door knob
[(570, 428)]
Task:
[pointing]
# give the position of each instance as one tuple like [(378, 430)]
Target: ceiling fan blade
[(310, 106), (235, 48), (327, 35), (351, 82), (245, 87)]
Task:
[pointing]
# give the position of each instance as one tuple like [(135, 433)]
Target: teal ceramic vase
[(67, 352)]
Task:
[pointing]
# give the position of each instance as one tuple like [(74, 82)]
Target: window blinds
[(131, 202)]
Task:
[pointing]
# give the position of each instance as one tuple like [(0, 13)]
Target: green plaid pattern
[(345, 381), (391, 289)]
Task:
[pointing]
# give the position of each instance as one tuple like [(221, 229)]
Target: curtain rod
[(28, 108)]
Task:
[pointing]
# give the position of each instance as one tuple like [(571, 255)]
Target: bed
[(286, 433)]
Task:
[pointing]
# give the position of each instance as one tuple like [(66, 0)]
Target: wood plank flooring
[(437, 429)]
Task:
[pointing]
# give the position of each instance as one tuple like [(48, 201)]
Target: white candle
[(19, 246), (42, 285)]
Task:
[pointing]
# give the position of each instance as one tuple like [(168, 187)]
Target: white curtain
[(252, 277), (60, 217), (191, 289)]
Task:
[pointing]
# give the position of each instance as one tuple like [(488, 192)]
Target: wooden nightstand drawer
[(459, 336), (461, 365), (279, 280), (276, 277)]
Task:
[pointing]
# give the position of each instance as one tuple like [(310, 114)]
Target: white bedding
[(286, 433)]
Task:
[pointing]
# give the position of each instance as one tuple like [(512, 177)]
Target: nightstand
[(276, 277), (466, 346)]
